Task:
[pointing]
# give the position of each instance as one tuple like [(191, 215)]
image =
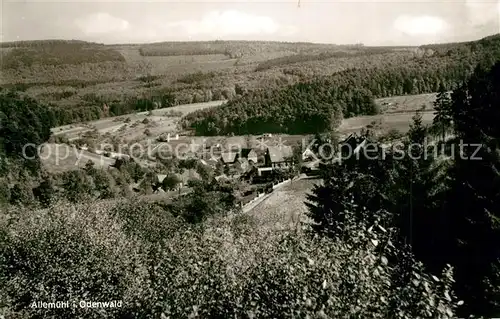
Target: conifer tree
[(473, 199), (443, 113)]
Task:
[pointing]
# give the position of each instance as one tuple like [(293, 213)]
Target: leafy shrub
[(228, 274), (146, 221), (159, 266), (65, 253), (170, 182)]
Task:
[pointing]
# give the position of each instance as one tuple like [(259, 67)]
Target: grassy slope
[(285, 208)]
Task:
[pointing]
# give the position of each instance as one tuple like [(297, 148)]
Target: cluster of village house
[(239, 162), (274, 157)]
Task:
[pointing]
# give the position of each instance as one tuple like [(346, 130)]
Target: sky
[(371, 22)]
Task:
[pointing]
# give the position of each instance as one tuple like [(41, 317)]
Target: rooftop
[(280, 154)]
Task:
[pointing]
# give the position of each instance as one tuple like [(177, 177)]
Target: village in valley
[(169, 158), (255, 163)]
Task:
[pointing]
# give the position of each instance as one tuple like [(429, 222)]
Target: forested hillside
[(314, 106)]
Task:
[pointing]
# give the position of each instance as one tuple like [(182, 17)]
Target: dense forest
[(321, 56), (309, 107), (94, 107)]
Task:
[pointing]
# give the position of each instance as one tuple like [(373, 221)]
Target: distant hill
[(319, 104), (42, 43), (79, 77)]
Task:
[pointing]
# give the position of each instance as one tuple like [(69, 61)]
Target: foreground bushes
[(227, 268)]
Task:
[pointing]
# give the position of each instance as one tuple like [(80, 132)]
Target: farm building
[(279, 156)]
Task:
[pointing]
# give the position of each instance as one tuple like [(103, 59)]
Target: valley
[(191, 179)]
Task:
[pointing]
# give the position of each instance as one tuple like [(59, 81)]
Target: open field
[(383, 122), (397, 113), (131, 127), (61, 157), (407, 103)]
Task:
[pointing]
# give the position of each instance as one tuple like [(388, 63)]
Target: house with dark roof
[(352, 144), (279, 156), (250, 155)]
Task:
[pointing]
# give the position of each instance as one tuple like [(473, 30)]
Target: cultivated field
[(407, 103)]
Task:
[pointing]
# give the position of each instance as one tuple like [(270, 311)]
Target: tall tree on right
[(443, 114), (473, 199)]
